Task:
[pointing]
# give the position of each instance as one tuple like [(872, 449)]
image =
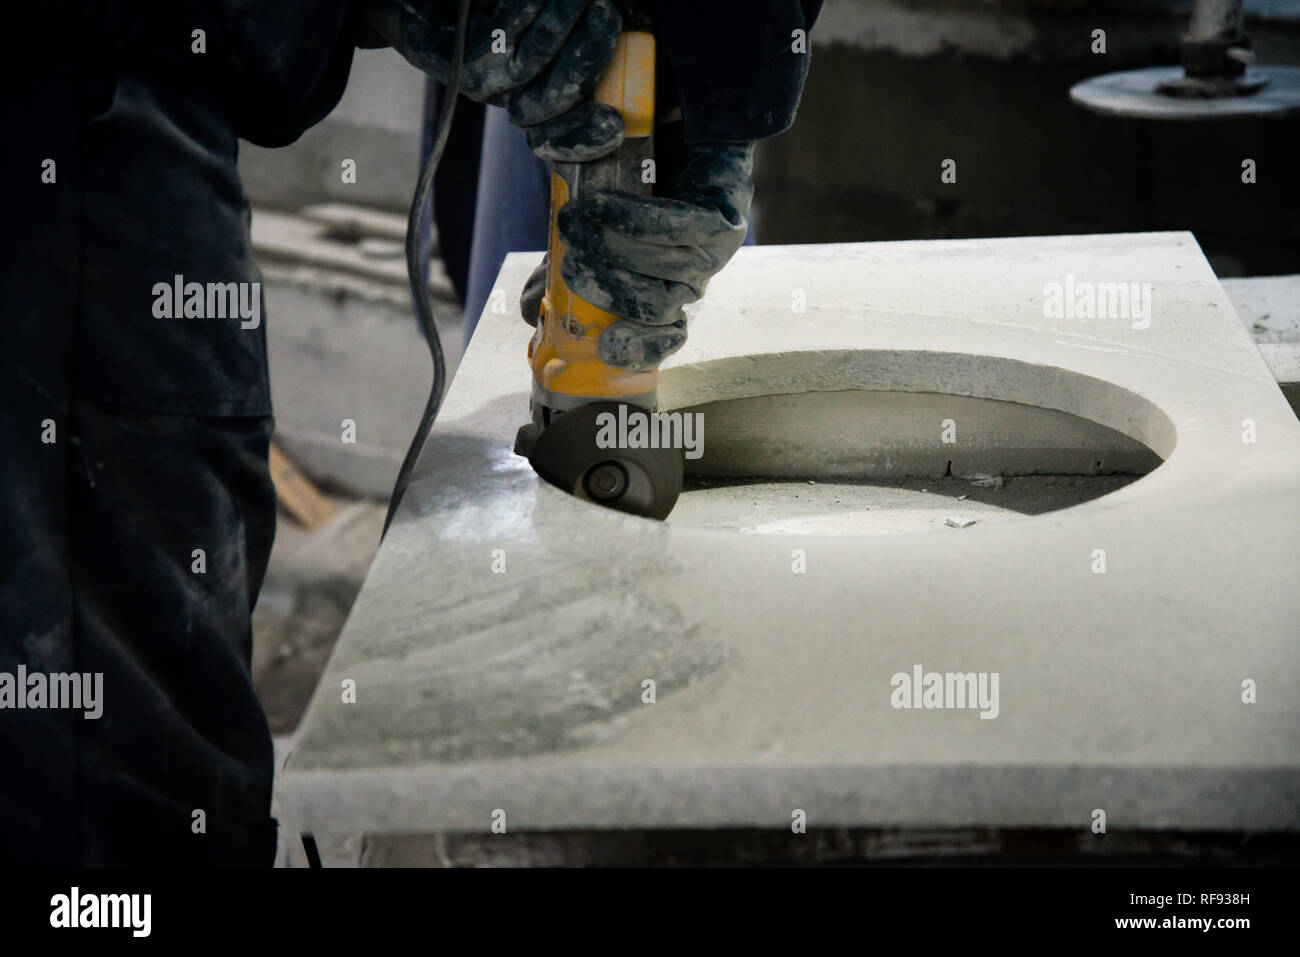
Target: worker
[(138, 510)]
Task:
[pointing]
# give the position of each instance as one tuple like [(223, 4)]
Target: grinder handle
[(564, 355)]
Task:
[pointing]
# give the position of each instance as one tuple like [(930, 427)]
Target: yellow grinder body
[(576, 396), (567, 369)]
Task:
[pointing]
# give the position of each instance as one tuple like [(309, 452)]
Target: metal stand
[(1216, 80)]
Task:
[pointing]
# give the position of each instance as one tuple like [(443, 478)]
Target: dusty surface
[(314, 577), (765, 507), (856, 434)]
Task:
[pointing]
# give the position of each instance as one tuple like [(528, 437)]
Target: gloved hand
[(542, 66), (644, 257)]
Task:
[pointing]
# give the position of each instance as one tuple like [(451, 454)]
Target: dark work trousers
[(136, 508)]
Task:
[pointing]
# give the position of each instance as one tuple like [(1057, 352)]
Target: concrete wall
[(897, 87), (377, 123), (340, 348)]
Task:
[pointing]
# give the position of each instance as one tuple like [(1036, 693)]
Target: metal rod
[(1215, 20)]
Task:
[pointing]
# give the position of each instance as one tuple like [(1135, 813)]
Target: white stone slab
[(1123, 691)]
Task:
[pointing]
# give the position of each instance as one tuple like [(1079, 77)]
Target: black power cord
[(415, 274)]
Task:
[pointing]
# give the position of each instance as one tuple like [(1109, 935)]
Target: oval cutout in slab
[(856, 462)]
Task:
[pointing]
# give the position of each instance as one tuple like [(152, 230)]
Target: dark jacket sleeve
[(738, 74), (280, 65)]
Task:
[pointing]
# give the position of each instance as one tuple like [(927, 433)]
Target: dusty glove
[(540, 59), (644, 257)]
